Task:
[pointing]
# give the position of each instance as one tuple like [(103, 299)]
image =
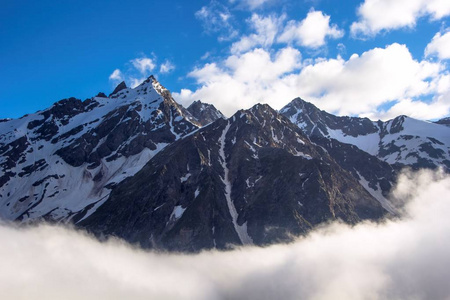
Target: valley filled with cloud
[(380, 59), (402, 258)]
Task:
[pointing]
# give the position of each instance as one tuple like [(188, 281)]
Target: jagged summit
[(61, 163), (119, 87), (205, 113), (101, 95)]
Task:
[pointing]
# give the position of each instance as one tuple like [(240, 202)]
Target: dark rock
[(281, 186), (444, 121), (101, 95), (121, 86), (204, 113)]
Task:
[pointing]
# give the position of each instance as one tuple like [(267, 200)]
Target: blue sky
[(375, 58)]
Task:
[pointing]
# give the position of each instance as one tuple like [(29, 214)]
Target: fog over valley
[(403, 258)]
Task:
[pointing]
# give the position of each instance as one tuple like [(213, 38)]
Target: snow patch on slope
[(377, 195), (241, 230)]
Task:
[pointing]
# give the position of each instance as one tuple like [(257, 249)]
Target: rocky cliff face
[(205, 113), (251, 179)]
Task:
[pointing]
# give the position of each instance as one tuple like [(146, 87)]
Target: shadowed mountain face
[(251, 179), (402, 141)]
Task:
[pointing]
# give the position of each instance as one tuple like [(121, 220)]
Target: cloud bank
[(403, 259), (361, 85)]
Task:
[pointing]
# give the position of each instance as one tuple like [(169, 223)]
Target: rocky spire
[(119, 87)]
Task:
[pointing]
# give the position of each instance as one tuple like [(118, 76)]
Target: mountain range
[(139, 166)]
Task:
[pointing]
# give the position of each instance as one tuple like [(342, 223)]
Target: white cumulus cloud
[(439, 45), (378, 15), (116, 76), (362, 83), (310, 32), (243, 80), (143, 64), (399, 259), (357, 86)]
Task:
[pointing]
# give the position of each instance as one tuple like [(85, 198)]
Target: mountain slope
[(251, 179), (61, 163), (402, 141)]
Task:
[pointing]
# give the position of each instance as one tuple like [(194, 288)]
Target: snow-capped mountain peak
[(402, 140), (61, 163), (140, 166)]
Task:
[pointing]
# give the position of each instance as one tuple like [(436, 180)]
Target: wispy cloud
[(399, 259), (252, 4), (139, 68), (216, 18), (266, 29), (166, 67)]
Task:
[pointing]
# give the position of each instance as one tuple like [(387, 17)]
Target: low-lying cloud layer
[(403, 259)]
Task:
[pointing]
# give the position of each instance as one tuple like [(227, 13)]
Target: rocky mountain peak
[(262, 110), (251, 179), (153, 83), (205, 113), (77, 150), (101, 95), (119, 87)]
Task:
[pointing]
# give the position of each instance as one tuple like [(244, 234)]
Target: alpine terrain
[(139, 166)]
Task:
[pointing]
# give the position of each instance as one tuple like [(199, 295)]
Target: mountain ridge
[(251, 179), (187, 179), (402, 141)]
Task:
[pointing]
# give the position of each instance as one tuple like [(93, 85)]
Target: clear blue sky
[(232, 53)]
